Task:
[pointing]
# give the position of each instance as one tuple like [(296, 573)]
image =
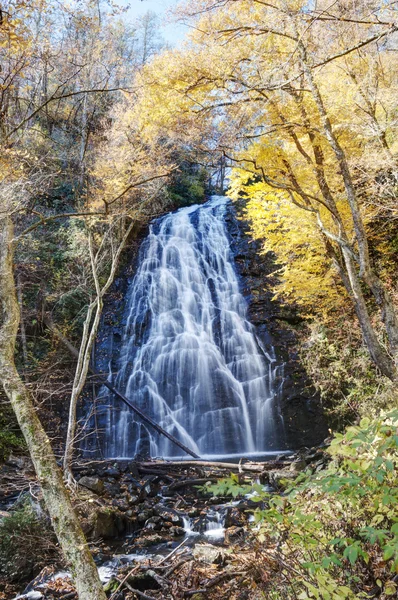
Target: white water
[(213, 528), (190, 358)]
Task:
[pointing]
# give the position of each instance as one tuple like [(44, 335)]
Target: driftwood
[(103, 381)]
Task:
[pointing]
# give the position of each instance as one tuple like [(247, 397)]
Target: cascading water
[(189, 357)]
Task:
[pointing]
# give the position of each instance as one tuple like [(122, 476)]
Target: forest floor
[(154, 529)]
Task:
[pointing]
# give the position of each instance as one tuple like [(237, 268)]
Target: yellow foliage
[(307, 276)]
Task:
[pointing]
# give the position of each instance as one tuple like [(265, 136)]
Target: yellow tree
[(281, 82)]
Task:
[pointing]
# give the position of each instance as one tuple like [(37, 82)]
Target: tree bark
[(63, 517)]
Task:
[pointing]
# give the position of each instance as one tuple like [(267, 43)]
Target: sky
[(172, 32)]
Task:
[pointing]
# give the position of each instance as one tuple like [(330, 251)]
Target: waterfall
[(189, 357)]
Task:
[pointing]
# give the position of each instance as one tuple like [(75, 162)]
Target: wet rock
[(130, 478), (151, 540), (154, 523), (112, 489), (92, 483), (276, 326), (168, 514), (133, 469), (144, 515), (151, 489), (234, 517), (132, 499), (112, 471), (177, 531)]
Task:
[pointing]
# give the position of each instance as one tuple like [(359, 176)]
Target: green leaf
[(388, 552), (351, 553), (394, 529)]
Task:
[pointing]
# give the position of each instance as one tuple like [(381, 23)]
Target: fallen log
[(251, 467), (103, 381), (187, 482)]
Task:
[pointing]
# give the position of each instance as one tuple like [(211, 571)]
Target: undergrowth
[(333, 535), (341, 369), (27, 543), (10, 436)]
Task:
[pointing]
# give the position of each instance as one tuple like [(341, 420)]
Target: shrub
[(334, 534), (10, 435), (27, 543)]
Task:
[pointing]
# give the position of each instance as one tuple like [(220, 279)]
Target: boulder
[(209, 554), (92, 483), (108, 523), (280, 479)]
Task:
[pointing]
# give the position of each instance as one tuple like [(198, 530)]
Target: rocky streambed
[(156, 532)]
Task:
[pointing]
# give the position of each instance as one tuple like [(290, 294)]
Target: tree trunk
[(82, 369), (376, 351), (63, 517), (366, 272)]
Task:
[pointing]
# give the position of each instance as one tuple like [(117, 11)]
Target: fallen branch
[(103, 381), (187, 482), (138, 592), (213, 582)]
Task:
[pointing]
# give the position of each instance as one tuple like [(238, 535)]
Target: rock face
[(300, 406), (276, 325)]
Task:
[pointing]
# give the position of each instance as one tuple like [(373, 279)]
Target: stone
[(234, 534), (94, 484), (278, 477), (298, 465), (151, 540), (108, 523), (177, 531), (154, 523), (144, 515), (113, 489), (112, 472), (234, 517), (120, 504), (208, 554), (168, 514), (132, 499)]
